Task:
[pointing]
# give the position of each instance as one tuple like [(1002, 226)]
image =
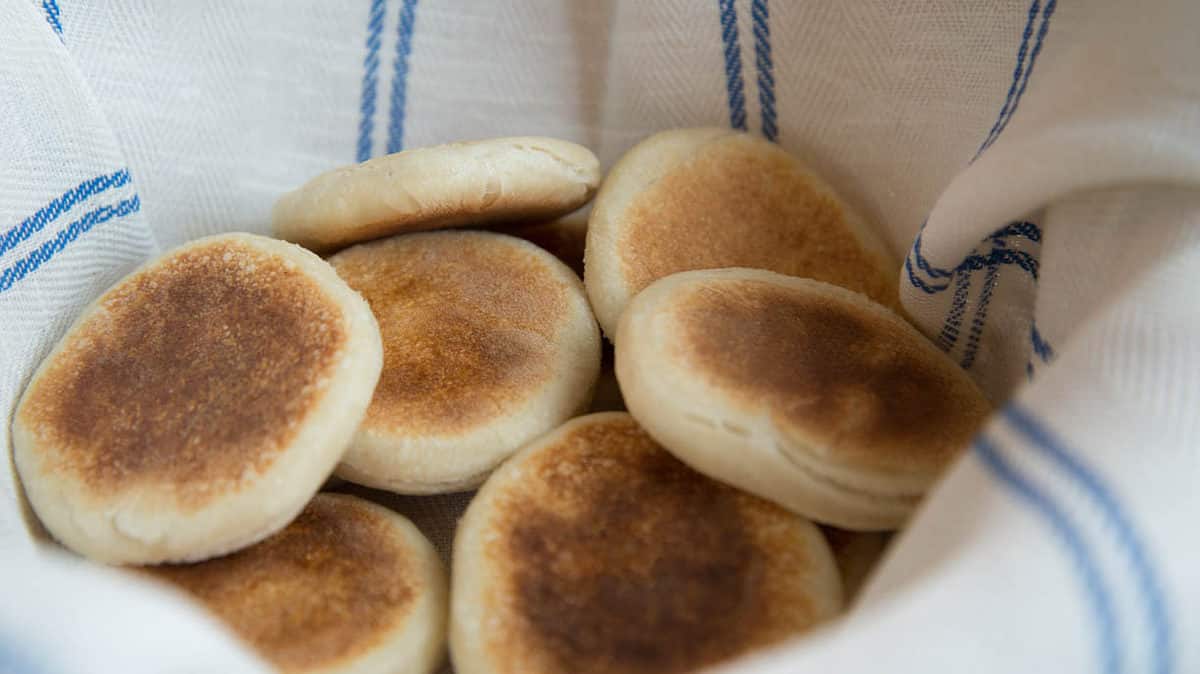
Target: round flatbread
[(802, 392), (501, 179), (349, 587), (196, 406), (594, 550), (709, 198), (488, 343)]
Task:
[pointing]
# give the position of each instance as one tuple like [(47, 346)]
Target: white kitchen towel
[(1034, 164)]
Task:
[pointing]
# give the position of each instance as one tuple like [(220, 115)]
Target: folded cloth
[(1034, 165)]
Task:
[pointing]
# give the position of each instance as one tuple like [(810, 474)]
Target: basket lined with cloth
[(1032, 165)]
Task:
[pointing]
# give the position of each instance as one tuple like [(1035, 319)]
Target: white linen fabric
[(1035, 166)]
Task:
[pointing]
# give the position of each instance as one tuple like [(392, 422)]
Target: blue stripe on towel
[(999, 239), (70, 233), (52, 16), (65, 202), (1018, 70), (1096, 593), (1040, 346), (924, 264), (977, 325), (916, 281), (1047, 13), (370, 80), (993, 261), (760, 13), (975, 261), (1119, 524), (1022, 72), (404, 36), (958, 306), (1021, 229), (734, 87)]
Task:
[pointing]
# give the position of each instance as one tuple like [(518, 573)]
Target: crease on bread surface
[(847, 414)]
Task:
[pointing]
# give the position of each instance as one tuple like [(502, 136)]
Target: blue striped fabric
[(917, 282), (923, 264), (62, 204), (31, 262), (1118, 524), (1000, 241), (51, 211), (1022, 229), (998, 255), (50, 7), (404, 35), (734, 87), (366, 122), (1002, 121), (981, 308), (958, 307), (1040, 346), (1016, 78), (1022, 71), (1067, 531), (993, 262), (760, 14)]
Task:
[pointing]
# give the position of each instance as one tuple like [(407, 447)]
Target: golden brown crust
[(192, 375), (613, 556), (862, 385), (741, 202), (325, 589), (468, 321), (563, 238)]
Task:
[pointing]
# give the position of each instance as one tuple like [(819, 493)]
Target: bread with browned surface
[(595, 550), (488, 342), (799, 391), (708, 198), (198, 404), (349, 587)]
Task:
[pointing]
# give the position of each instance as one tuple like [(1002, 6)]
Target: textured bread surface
[(466, 183), (155, 429), (594, 550), (343, 581), (799, 391), (711, 198), (488, 342)]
